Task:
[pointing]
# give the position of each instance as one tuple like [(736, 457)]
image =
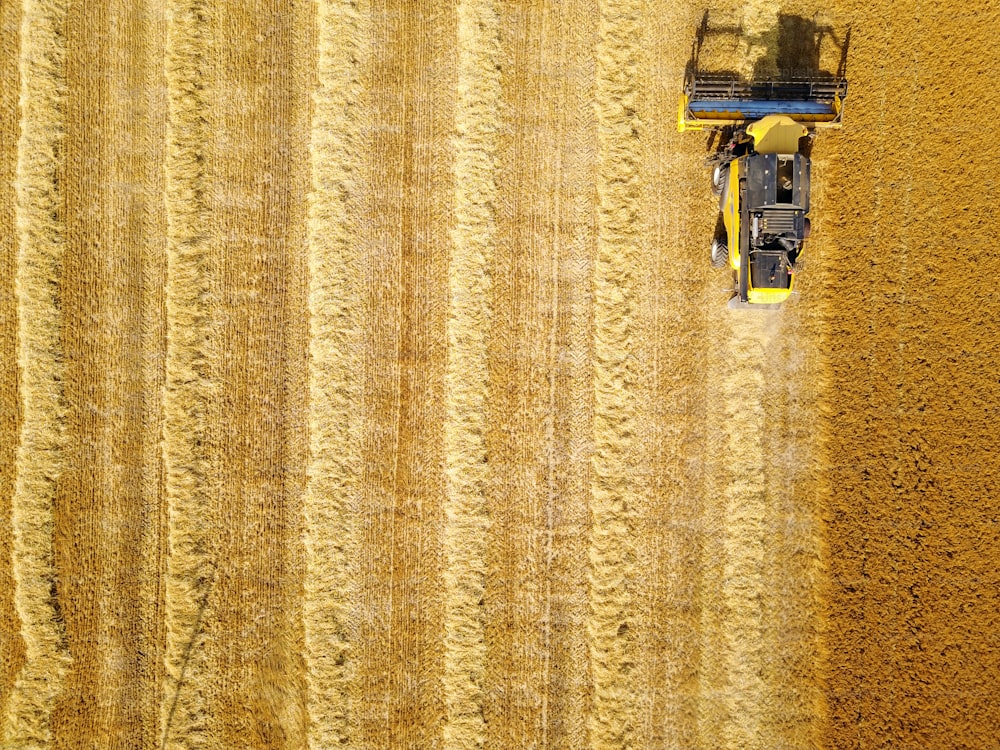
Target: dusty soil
[(365, 383)]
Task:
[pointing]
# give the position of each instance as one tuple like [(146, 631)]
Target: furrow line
[(108, 508), (41, 233), (410, 88), (381, 667), (680, 315), (571, 390), (260, 173), (522, 297)]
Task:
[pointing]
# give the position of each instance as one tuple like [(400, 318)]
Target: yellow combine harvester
[(761, 174)]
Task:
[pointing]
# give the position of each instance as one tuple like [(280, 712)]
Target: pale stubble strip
[(12, 646), (42, 238), (473, 239), (190, 391), (745, 537), (339, 150), (615, 489)]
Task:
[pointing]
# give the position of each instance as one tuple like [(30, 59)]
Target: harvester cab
[(761, 172)]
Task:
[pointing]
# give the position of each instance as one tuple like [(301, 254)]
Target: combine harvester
[(761, 174)]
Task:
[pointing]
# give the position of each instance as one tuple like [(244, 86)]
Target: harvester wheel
[(806, 229), (720, 253), (719, 175)]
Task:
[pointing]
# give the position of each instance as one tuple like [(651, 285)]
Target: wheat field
[(364, 383)]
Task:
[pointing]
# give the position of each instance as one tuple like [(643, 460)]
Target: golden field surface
[(364, 382)]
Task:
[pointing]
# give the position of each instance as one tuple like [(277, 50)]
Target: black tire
[(806, 229), (720, 253), (719, 175)]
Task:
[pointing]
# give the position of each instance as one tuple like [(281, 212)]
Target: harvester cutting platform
[(761, 172)]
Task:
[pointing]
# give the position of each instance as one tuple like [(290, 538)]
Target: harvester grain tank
[(761, 173)]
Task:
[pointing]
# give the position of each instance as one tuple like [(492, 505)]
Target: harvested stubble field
[(364, 383)]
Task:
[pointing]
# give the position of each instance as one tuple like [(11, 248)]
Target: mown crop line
[(614, 720), (339, 147), (473, 239), (744, 542), (186, 659), (41, 235), (190, 490)]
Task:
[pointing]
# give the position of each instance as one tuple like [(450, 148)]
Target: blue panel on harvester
[(752, 110)]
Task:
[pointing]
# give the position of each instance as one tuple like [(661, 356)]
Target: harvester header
[(712, 100), (761, 173)]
